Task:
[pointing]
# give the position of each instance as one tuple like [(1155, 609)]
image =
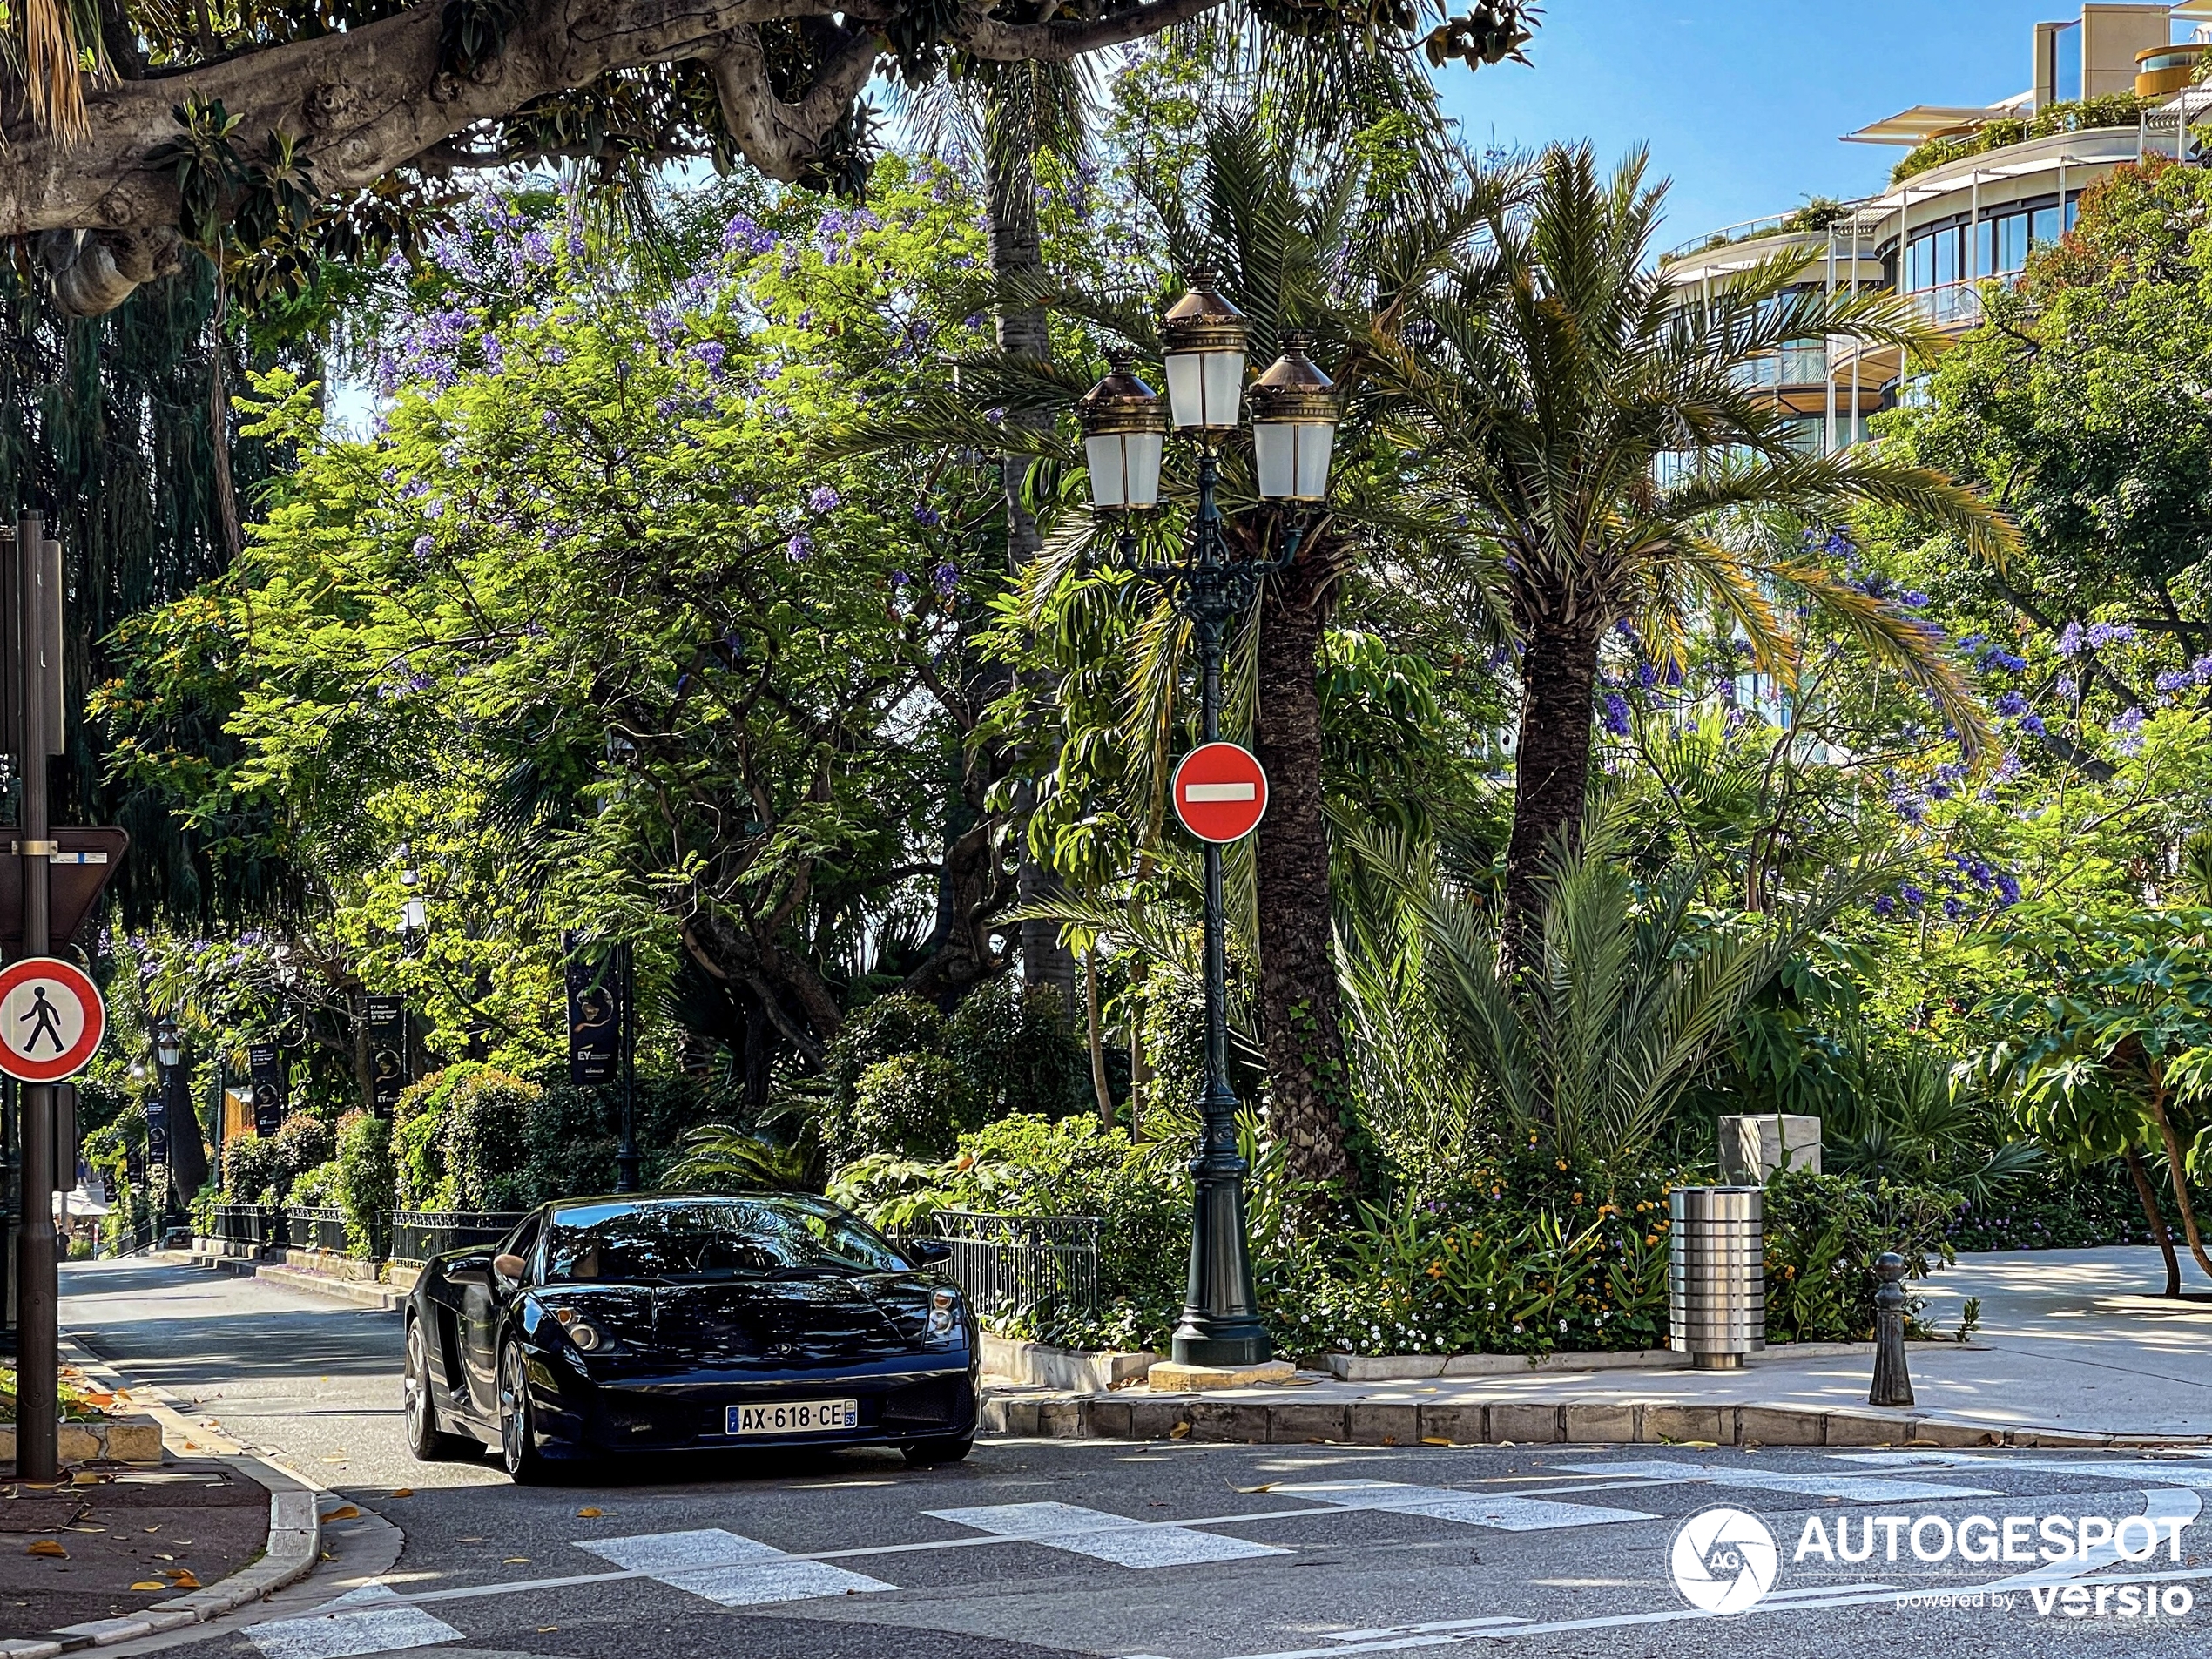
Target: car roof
[(558, 1208)]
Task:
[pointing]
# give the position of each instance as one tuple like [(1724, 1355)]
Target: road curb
[(294, 1546), (359, 1292), (1134, 1415)]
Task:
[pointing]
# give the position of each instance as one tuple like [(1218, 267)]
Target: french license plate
[(795, 1417)]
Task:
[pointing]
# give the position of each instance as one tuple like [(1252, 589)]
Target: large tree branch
[(778, 137)]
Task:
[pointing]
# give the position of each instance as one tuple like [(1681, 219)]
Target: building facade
[(1978, 188)]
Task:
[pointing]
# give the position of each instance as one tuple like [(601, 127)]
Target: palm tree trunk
[(2149, 1194), (1017, 261), (1551, 772), (1310, 1108)]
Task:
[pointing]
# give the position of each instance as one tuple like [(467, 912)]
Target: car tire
[(949, 1450), (518, 1454), (429, 1443)]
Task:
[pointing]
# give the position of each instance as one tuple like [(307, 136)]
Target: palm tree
[(1555, 375)]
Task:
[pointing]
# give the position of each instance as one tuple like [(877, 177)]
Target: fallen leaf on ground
[(1178, 1431), (343, 1512), (547, 1630), (472, 1541), (150, 1584), (183, 1579), (340, 1459), (402, 1492), (47, 1546), (1269, 1487), (517, 1560), (588, 1513), (1434, 1440), (160, 1557)]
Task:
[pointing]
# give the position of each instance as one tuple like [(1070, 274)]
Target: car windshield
[(714, 1238)]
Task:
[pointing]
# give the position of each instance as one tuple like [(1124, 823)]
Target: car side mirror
[(469, 1273), (929, 1252), (511, 1267)]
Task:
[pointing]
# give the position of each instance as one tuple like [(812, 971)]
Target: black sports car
[(603, 1326)]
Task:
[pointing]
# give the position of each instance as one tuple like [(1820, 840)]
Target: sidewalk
[(2074, 1347)]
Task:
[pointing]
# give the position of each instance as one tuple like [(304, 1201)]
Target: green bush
[(912, 1104), (313, 1188), (1032, 1165), (251, 1170), (301, 1142), (486, 1141), (1018, 1052), (1823, 1233), (419, 1178), (364, 1189)]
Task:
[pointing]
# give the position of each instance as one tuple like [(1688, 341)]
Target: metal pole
[(626, 1152), (1220, 1324), (37, 1292)]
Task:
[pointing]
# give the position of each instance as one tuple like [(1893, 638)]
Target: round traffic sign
[(1220, 791), (51, 1020)]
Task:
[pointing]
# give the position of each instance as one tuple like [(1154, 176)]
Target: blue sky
[(1741, 101)]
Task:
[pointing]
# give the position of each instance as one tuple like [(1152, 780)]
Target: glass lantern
[(1202, 340), (1295, 411), (1123, 434)]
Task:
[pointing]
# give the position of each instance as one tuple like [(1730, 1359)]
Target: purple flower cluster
[(743, 235), (1616, 714), (2180, 679), (944, 579), (2075, 638), (823, 499)]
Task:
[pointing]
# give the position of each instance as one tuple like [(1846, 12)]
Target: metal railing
[(1021, 1263), (417, 1235), (255, 1226), (314, 1227)]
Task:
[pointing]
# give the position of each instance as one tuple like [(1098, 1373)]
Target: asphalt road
[(1176, 1550)]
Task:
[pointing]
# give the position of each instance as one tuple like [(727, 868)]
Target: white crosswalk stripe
[(1504, 1513), (1858, 1488), (1102, 1536), (369, 1620), (2158, 1472), (726, 1567)]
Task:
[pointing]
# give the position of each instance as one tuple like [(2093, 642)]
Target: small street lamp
[(1294, 416), (169, 1054)]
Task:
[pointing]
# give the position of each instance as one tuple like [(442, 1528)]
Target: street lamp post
[(1294, 418), (169, 1054)]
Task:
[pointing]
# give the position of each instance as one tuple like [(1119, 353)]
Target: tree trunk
[(2179, 1170), (1310, 1108), (2149, 1194), (1017, 260), (1551, 774), (1099, 1086)]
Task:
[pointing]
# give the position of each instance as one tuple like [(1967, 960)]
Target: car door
[(481, 1303)]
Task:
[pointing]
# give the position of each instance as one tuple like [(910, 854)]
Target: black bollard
[(1892, 1386)]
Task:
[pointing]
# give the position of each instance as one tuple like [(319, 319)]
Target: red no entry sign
[(1220, 791), (51, 1020)]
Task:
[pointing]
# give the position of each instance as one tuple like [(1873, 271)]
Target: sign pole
[(37, 1292)]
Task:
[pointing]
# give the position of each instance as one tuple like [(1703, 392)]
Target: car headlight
[(943, 1313), (581, 1331)]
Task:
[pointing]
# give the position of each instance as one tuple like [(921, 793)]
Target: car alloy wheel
[(419, 1412), (519, 1452)]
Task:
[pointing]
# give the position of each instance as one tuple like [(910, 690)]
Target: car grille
[(934, 1403)]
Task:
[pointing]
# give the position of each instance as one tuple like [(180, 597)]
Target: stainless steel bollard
[(1716, 1276)]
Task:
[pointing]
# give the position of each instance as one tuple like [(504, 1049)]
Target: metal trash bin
[(1716, 1276)]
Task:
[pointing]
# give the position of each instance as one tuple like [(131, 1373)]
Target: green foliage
[(1030, 1165), (2074, 115), (905, 1079), (1822, 1234), (720, 1157), (366, 1177)]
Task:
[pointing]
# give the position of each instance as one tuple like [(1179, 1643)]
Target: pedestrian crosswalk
[(1501, 1511), (733, 1570), (725, 1567), (1105, 1537), (1854, 1489), (370, 1619)]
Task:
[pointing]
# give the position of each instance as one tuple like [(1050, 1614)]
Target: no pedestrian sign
[(51, 1020), (1220, 791)]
